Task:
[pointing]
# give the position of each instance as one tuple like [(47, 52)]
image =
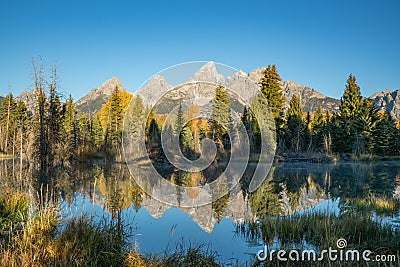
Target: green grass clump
[(31, 244), (186, 255), (322, 231), (85, 243), (45, 240), (381, 205), (13, 209), (13, 214)]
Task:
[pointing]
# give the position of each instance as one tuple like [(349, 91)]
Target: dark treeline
[(56, 133), (358, 130)]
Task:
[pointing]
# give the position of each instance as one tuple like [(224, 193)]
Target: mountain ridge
[(97, 97), (157, 86), (150, 96), (29, 98), (239, 83), (388, 101)]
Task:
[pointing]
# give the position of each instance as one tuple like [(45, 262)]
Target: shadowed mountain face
[(388, 101), (97, 97), (1, 99), (309, 98), (29, 98), (153, 89)]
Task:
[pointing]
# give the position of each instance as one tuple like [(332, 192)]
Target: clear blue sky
[(314, 43)]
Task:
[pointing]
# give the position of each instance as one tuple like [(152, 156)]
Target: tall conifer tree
[(220, 120), (271, 90)]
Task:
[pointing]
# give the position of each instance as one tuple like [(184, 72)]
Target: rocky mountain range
[(153, 89), (89, 104), (238, 208), (240, 82), (1, 99), (309, 98), (388, 101), (29, 98), (97, 97)]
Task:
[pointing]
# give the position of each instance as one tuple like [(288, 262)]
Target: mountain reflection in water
[(103, 191)]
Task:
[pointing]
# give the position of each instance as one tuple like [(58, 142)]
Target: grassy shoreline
[(33, 236), (36, 236)]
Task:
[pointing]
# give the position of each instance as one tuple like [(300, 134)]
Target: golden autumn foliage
[(104, 112), (380, 113)]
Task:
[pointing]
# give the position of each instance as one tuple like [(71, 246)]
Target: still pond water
[(154, 227)]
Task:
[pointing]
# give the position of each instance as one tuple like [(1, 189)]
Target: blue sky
[(314, 43)]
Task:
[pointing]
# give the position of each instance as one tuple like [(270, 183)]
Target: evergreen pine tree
[(54, 122), (342, 141), (153, 136), (220, 120), (295, 109), (357, 119), (168, 136), (262, 125), (70, 129), (295, 130), (186, 141), (115, 121), (179, 128), (318, 117), (180, 121), (83, 125), (351, 100), (271, 90), (97, 132), (363, 125), (246, 121), (317, 132), (385, 137), (327, 116)]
